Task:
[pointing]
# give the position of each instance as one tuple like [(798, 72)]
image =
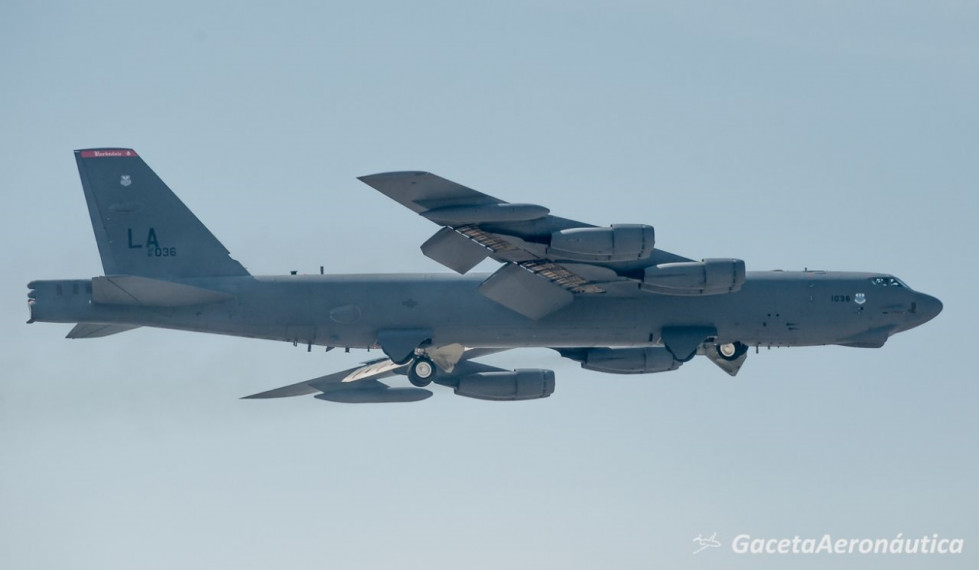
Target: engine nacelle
[(627, 360), (621, 242), (521, 384), (707, 277)]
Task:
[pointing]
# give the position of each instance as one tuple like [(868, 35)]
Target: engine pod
[(620, 242), (505, 385), (707, 277)]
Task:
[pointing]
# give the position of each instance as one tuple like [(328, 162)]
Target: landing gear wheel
[(421, 372), (731, 351)]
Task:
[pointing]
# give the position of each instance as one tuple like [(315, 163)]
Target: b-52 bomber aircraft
[(603, 296)]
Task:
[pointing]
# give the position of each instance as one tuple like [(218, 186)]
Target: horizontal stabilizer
[(97, 330), (133, 290)]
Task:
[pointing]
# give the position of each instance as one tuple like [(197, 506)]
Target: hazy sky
[(822, 135)]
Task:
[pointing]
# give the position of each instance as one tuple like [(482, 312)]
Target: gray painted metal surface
[(605, 297)]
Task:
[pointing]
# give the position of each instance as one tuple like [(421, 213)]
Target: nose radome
[(928, 307)]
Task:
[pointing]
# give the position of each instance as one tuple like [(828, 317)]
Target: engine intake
[(620, 242), (521, 384), (707, 277), (626, 360)]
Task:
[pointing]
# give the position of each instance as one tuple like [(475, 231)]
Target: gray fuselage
[(773, 308)]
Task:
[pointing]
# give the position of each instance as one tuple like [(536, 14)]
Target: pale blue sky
[(822, 135)]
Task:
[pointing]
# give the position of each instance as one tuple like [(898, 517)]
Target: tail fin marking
[(140, 225)]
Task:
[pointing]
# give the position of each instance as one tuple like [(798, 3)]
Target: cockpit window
[(886, 281)]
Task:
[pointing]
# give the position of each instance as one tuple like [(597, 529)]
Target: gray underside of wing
[(97, 330), (363, 377), (532, 282), (361, 384), (423, 191), (511, 237)]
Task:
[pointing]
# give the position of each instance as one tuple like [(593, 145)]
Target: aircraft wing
[(361, 384), (548, 260)]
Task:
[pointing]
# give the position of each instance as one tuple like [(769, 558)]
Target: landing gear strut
[(421, 371)]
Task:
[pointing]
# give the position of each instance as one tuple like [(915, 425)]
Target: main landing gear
[(731, 351), (421, 371)]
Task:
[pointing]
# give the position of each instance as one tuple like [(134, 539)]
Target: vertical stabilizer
[(141, 227)]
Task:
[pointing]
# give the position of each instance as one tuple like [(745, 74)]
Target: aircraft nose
[(927, 307)]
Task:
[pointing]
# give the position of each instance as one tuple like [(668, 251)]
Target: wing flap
[(454, 250), (525, 292)]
